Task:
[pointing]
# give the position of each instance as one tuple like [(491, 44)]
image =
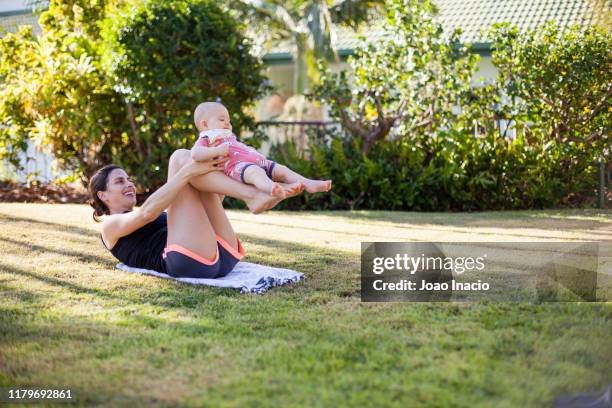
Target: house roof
[(12, 20), (474, 16)]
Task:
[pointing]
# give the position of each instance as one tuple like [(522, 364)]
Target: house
[(472, 16), (15, 13)]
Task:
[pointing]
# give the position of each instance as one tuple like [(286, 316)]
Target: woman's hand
[(197, 168)]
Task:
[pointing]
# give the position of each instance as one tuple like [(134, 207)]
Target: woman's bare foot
[(317, 186), (262, 202), (292, 189)]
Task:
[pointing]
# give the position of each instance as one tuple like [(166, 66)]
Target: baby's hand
[(222, 150), (197, 152), (201, 153)]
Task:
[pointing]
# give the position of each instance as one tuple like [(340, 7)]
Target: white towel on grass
[(246, 276)]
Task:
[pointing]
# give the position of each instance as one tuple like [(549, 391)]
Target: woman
[(194, 238)]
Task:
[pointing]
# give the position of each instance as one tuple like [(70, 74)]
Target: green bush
[(452, 172), (557, 82), (409, 82), (165, 57), (54, 92), (122, 89)]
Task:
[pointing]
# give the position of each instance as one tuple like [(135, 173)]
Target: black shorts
[(183, 263)]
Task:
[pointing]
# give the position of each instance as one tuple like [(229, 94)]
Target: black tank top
[(143, 248)]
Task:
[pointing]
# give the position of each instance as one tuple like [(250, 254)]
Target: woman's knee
[(178, 159)]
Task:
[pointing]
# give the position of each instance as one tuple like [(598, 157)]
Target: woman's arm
[(116, 226)]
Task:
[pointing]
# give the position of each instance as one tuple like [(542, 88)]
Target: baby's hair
[(203, 111)]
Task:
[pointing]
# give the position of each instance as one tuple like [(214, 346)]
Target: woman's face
[(120, 194)]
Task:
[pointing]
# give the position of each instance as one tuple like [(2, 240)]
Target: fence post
[(601, 202)]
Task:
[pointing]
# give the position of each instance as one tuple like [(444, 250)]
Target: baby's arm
[(201, 153)]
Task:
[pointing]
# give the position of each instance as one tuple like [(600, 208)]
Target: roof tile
[(474, 16)]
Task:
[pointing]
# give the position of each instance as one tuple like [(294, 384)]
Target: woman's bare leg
[(188, 222), (218, 218), (217, 182)]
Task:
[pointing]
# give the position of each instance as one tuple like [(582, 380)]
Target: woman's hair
[(98, 183)]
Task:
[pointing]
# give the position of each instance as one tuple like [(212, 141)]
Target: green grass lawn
[(69, 319)]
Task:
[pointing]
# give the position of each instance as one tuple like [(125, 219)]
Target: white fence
[(37, 165)]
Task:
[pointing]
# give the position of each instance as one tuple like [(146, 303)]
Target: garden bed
[(41, 193)]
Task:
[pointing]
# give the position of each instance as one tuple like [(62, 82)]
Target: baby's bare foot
[(292, 189), (277, 191), (262, 202), (317, 186)]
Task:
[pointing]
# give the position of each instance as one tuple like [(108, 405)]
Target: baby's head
[(211, 115)]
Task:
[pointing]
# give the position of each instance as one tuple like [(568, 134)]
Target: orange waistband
[(239, 254)]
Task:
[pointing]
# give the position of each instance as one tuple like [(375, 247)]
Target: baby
[(245, 164)]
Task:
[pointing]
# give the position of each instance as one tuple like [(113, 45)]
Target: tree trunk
[(301, 65)]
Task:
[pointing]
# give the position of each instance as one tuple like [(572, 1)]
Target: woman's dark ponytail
[(98, 183)]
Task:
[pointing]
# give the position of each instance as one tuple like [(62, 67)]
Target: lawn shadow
[(17, 296), (71, 228), (73, 287), (86, 258), (492, 219), (307, 258)]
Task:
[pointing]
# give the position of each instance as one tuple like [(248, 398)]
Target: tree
[(54, 91), (410, 82), (309, 25), (558, 82), (122, 91), (165, 57)]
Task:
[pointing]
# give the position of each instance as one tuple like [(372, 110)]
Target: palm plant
[(310, 25)]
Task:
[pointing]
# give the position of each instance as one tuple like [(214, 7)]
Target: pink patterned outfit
[(241, 156)]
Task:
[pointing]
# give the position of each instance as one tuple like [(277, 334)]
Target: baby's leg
[(291, 189), (285, 174), (257, 176)]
